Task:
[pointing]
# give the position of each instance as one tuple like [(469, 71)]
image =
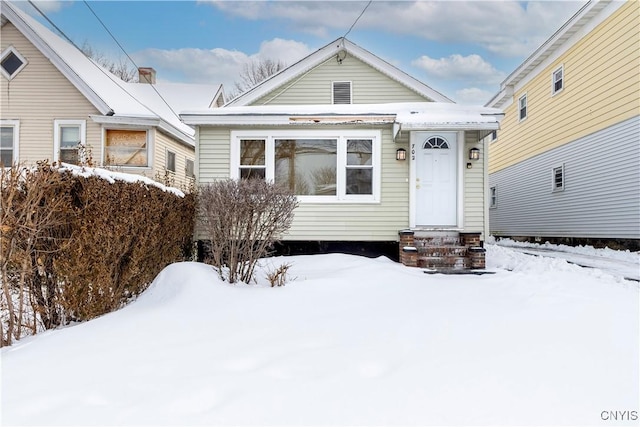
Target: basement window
[(341, 93), (11, 62)]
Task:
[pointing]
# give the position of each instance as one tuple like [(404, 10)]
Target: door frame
[(414, 146)]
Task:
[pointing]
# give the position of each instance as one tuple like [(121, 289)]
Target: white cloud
[(507, 28), (213, 66), (472, 69), (45, 6), (472, 96)]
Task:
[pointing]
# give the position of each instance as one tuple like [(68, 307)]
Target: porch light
[(401, 154), (474, 154)]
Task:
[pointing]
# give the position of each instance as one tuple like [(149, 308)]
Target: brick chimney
[(146, 75)]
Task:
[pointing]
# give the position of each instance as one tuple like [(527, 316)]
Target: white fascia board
[(394, 72), (55, 59), (325, 53), (581, 23), (449, 126), (221, 120), (163, 126)]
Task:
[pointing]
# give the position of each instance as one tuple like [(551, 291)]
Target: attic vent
[(342, 92)]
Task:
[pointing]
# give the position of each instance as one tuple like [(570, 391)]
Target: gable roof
[(332, 50), (579, 21), (118, 101)]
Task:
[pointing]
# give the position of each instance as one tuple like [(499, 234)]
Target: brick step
[(443, 262), (442, 251), (437, 241)]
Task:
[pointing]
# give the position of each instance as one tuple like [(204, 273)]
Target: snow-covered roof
[(332, 50), (559, 39), (110, 95), (409, 116)]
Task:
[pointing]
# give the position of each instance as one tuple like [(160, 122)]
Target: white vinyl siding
[(58, 99), (369, 86)]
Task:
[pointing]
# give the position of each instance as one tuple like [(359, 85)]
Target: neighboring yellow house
[(565, 165), (59, 105), (374, 155)]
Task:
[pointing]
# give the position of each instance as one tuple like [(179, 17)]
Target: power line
[(127, 55), (357, 19)]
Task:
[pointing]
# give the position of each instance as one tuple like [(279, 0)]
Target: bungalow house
[(59, 105), (375, 157), (565, 165)]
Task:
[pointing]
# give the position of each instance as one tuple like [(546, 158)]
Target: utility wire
[(127, 55), (357, 19)]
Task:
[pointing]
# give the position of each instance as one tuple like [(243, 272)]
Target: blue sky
[(463, 49)]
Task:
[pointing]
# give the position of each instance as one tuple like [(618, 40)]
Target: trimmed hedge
[(97, 244)]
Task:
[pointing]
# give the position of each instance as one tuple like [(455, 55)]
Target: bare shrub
[(279, 276), (243, 219)]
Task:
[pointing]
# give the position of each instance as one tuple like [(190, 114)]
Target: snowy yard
[(351, 341)]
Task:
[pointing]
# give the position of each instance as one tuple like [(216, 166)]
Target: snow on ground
[(350, 341), (620, 263)]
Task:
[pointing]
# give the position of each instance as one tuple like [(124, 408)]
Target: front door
[(436, 179)]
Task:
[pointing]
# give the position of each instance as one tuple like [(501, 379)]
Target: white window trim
[(11, 49), (186, 172), (340, 135), (526, 99), (16, 137), (493, 197), (150, 147), (166, 161), (56, 135), (555, 189), (350, 91), (553, 80)]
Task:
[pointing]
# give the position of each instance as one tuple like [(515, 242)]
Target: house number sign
[(413, 151)]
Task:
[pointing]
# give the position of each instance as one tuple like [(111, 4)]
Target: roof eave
[(162, 125), (55, 59)]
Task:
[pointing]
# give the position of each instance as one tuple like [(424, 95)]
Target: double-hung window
[(9, 133), (557, 80), (557, 178), (69, 141), (171, 161), (317, 166), (522, 107), (493, 197), (189, 168)]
